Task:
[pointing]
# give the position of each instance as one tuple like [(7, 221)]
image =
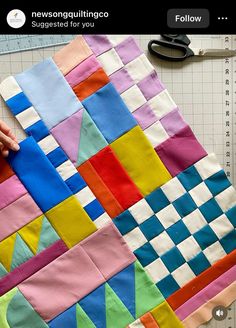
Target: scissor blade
[(214, 52)]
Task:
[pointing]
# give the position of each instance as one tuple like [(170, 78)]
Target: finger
[(8, 142), (6, 130), (3, 150)]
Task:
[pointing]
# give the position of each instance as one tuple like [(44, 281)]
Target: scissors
[(181, 42)]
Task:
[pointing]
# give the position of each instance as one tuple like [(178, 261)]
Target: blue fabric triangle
[(123, 284), (65, 319), (94, 306), (21, 252)]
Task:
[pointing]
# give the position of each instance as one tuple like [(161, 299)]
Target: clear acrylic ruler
[(20, 42)]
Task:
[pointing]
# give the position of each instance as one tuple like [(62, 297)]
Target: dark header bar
[(40, 19)]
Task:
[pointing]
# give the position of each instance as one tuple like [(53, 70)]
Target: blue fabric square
[(173, 259), (231, 215), (57, 157), (109, 112), (37, 174), (38, 131), (157, 200), (167, 286), (228, 242), (151, 227), (76, 183), (18, 103), (125, 222), (199, 263), (217, 182), (189, 178), (211, 210), (146, 254), (178, 232), (205, 237), (184, 205), (94, 209)]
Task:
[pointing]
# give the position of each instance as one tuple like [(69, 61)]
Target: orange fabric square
[(93, 83), (100, 190), (5, 170), (148, 321)]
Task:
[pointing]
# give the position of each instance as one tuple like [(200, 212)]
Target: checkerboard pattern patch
[(184, 227)]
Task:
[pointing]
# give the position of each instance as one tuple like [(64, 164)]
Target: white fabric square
[(157, 270), (110, 61), (162, 243), (214, 252), (183, 274), (48, 144), (102, 220), (141, 211), (66, 170), (136, 324), (168, 216), (9, 88), (221, 226), (200, 194), (207, 166), (135, 239), (133, 98), (194, 221), (173, 189), (156, 134), (162, 103), (227, 198), (85, 196), (189, 248), (139, 68), (116, 39), (28, 117)]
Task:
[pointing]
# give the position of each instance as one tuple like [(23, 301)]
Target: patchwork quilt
[(112, 214)]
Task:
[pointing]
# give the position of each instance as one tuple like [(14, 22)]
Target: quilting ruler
[(15, 43)]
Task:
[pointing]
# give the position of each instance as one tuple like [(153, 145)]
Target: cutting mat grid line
[(197, 86)]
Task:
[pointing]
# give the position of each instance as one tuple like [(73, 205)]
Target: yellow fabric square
[(31, 233), (70, 221), (140, 161), (165, 316)]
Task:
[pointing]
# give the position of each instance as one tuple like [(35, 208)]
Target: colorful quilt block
[(125, 153)]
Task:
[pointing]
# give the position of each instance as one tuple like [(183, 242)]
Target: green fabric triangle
[(21, 314), (21, 253), (48, 236), (3, 271), (91, 139), (83, 320), (117, 315), (147, 295)]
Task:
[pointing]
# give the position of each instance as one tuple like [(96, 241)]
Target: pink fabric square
[(61, 283), (173, 122), (145, 116), (121, 80), (67, 134), (82, 71), (98, 43), (128, 50), (180, 151), (10, 190), (151, 86), (108, 250), (17, 214)]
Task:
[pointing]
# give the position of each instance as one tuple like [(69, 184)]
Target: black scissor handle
[(187, 52)]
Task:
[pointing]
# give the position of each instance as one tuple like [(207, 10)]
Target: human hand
[(7, 140)]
